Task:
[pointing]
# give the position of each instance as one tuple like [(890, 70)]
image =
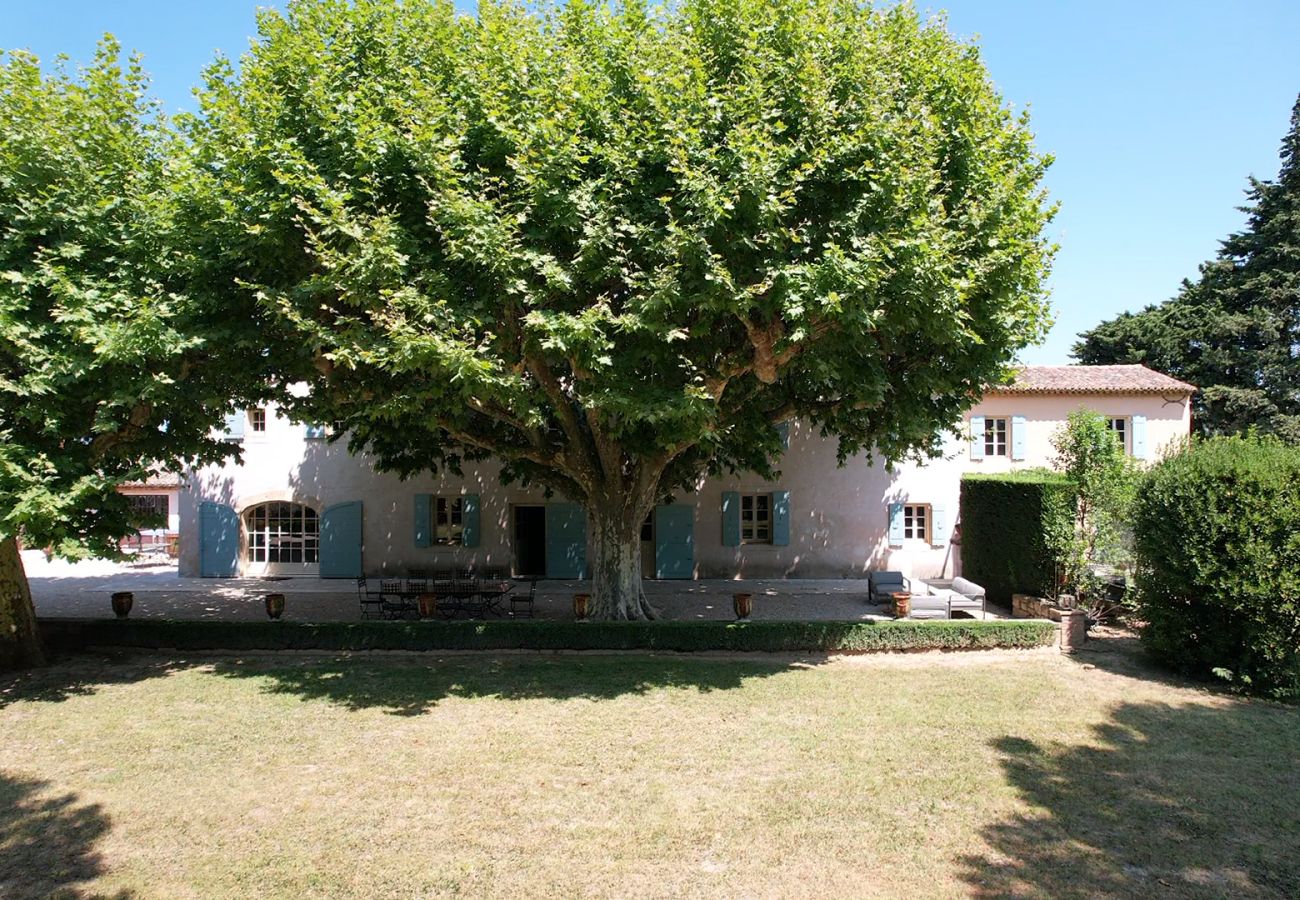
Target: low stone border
[(1027, 606)]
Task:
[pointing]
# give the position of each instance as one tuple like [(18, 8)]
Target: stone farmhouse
[(299, 504)]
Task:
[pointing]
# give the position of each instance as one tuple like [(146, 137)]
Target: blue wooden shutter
[(469, 519), (976, 437), (1139, 437), (218, 540), (340, 541), (235, 425), (1018, 429), (896, 524), (731, 518), (780, 518), (566, 541), (314, 432), (674, 541), (783, 430), (423, 520), (940, 527)]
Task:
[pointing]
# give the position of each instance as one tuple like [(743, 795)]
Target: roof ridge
[(1076, 378)]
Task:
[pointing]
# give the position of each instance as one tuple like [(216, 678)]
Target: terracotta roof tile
[(1092, 380), (157, 480)]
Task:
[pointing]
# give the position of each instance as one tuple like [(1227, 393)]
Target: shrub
[(1089, 454), (829, 637), (1004, 520), (1217, 541)]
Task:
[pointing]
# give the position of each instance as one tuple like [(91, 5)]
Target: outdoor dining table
[(493, 593), (471, 596)]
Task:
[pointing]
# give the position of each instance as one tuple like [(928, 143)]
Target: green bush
[(1217, 541), (831, 637), (1004, 519)]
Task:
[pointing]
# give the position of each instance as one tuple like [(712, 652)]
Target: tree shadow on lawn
[(83, 674), (1167, 800), (406, 685), (47, 841)]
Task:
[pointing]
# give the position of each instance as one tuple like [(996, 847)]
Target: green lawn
[(985, 773)]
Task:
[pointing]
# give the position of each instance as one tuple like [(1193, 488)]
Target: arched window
[(282, 532)]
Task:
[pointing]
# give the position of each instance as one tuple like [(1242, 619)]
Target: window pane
[(280, 532), (755, 517)]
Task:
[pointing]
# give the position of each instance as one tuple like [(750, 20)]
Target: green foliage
[(1006, 522), (1094, 460), (1233, 331), (106, 364), (843, 637), (611, 245), (1217, 539)]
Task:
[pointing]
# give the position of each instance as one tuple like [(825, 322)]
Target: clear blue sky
[(1156, 113)]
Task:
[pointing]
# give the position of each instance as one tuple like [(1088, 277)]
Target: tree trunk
[(616, 569), (20, 644)]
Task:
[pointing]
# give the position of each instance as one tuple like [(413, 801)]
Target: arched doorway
[(282, 538)]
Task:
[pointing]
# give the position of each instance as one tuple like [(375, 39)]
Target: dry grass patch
[(645, 776)]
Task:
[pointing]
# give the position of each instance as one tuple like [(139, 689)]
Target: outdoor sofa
[(881, 586), (947, 597)]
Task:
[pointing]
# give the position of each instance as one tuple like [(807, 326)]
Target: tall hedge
[(1003, 521), (1217, 541)]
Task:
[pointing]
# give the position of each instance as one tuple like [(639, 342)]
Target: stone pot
[(902, 604), (428, 604), (275, 605), (122, 602), (581, 604), (743, 603)]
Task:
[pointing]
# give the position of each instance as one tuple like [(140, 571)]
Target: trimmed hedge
[(1003, 520), (839, 637), (1217, 540)]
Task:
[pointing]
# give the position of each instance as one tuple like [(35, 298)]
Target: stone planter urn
[(122, 603), (902, 604), (581, 605), (275, 605), (428, 604), (743, 603)]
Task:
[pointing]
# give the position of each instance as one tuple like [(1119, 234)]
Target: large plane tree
[(613, 246), (109, 369)]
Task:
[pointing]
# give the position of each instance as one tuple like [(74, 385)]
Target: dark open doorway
[(530, 541)]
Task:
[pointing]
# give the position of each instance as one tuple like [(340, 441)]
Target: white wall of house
[(838, 516)]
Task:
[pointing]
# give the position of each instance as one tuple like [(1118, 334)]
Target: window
[(257, 418), (916, 521), (995, 437), (1119, 427), (755, 518), (448, 520), (152, 505), (281, 532)]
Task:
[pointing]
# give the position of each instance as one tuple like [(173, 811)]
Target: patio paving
[(81, 590)]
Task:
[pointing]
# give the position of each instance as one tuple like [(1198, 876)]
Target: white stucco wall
[(838, 515)]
